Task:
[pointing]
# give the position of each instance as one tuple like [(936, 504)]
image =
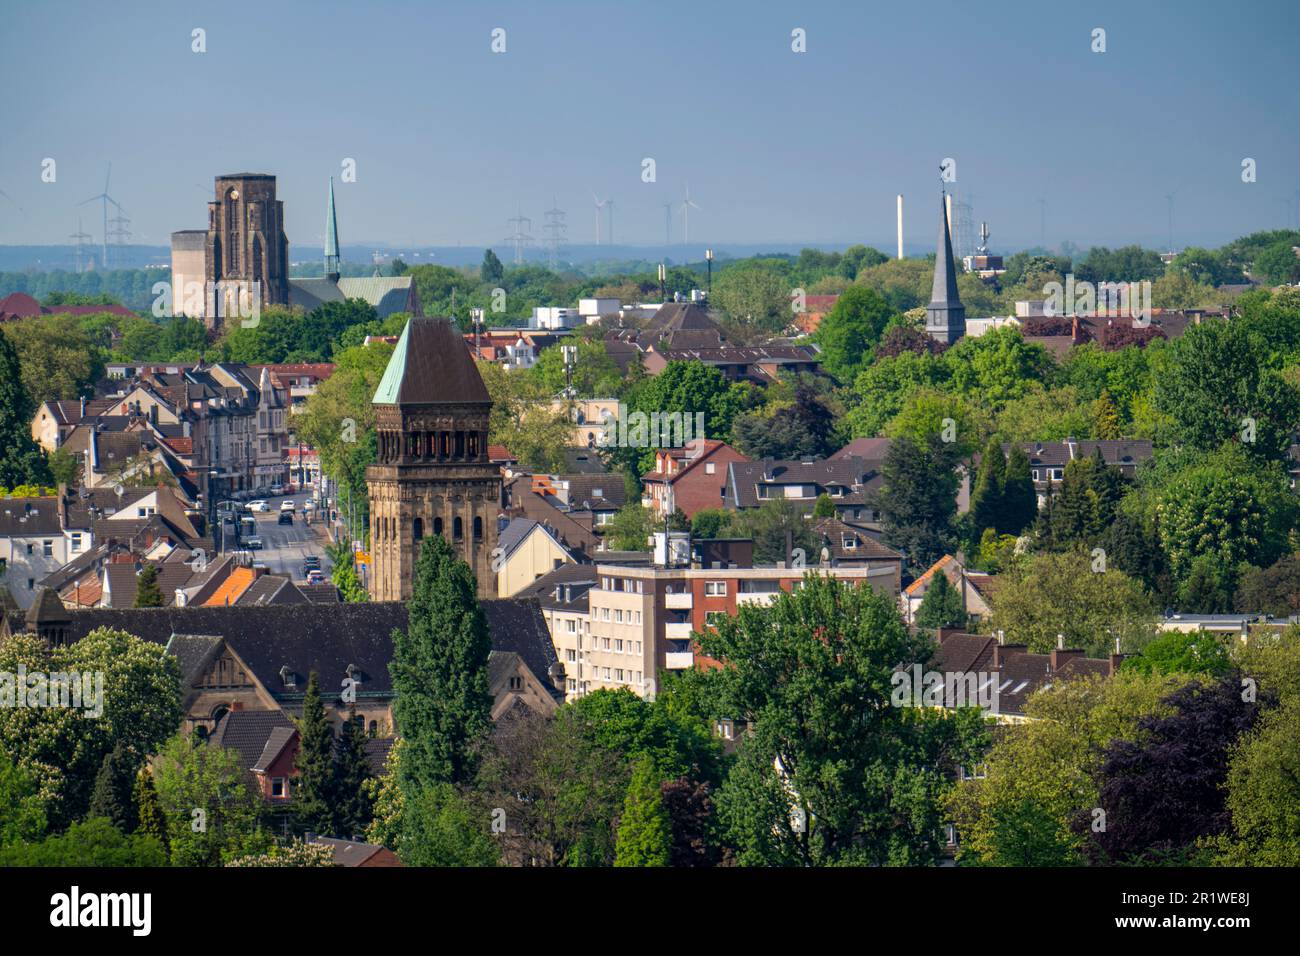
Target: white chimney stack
[(900, 225)]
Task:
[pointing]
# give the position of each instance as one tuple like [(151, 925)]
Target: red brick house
[(689, 483)]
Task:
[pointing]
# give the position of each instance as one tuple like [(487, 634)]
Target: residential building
[(691, 478), (850, 482), (527, 550)]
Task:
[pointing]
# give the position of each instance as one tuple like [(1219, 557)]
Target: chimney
[(1060, 656), (1004, 652), (182, 599), (1060, 642), (83, 407)]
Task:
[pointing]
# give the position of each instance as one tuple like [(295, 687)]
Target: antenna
[(687, 205), (520, 226), (554, 229)]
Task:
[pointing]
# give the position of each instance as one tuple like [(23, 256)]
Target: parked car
[(286, 517), (254, 543), (287, 505), (259, 506), (316, 577), (277, 489)]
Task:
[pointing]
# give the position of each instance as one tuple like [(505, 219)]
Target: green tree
[(441, 827), (1218, 387), (352, 805), (860, 780), (89, 843), (491, 270), (65, 746), (1181, 652), (630, 528), (439, 672), (824, 507), (213, 812), (147, 592), (1019, 499), (1069, 594), (918, 499), (941, 606), (1040, 780), (22, 811), (151, 820), (21, 461), (986, 508), (779, 529), (847, 334), (644, 835), (314, 797), (113, 796), (1106, 419)]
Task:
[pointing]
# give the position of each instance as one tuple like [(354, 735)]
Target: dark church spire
[(945, 316), (332, 271)]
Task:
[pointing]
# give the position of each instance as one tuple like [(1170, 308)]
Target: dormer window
[(288, 677)]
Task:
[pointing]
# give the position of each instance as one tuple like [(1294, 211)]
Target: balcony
[(677, 632), (757, 598), (679, 601), (679, 660)]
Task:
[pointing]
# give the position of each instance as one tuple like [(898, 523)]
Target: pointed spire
[(332, 271), (945, 316)]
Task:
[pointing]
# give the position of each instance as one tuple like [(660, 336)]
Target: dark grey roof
[(29, 517), (602, 492), (348, 852), (324, 638), (744, 477), (573, 581), (194, 652), (431, 364), (275, 743), (246, 732), (514, 534), (945, 313)]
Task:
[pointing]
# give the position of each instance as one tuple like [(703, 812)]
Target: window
[(605, 673), (849, 541), (618, 646), (638, 616), (478, 528), (571, 656), (570, 625), (1035, 473), (638, 647), (457, 528), (417, 529), (604, 644), (713, 617), (516, 683), (715, 588), (76, 542), (30, 548), (47, 549), (710, 468), (279, 787), (618, 615), (604, 614)]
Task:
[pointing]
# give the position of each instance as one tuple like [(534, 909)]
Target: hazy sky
[(450, 138)]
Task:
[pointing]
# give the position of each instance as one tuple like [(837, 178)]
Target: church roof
[(431, 364), (331, 226), (944, 293)]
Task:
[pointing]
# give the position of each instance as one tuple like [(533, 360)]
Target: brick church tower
[(245, 242), (432, 474)]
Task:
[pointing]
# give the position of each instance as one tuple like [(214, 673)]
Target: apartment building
[(622, 625)]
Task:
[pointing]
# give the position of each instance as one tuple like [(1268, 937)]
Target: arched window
[(478, 528), (437, 526), (457, 528), (417, 529)]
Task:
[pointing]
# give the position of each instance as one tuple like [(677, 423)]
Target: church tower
[(945, 316), (245, 242), (332, 258), (432, 474)]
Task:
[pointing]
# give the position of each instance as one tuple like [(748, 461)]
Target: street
[(284, 546)]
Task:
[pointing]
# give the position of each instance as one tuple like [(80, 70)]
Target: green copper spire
[(331, 238)]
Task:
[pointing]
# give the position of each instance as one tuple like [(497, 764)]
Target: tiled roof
[(237, 583), (430, 365), (246, 732), (29, 517)]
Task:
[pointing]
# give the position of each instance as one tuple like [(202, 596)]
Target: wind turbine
[(600, 204), (11, 199), (687, 205), (105, 198)]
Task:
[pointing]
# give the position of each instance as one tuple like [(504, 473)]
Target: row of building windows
[(620, 616), (386, 528)]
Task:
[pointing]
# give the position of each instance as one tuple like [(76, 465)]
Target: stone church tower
[(245, 242), (945, 316), (432, 474)]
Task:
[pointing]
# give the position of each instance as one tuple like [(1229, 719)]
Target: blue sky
[(450, 139)]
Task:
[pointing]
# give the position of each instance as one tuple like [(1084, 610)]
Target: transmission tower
[(520, 235), (118, 234), (554, 229), (81, 238)]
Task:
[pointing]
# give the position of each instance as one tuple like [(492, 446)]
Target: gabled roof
[(430, 365), (247, 732)]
